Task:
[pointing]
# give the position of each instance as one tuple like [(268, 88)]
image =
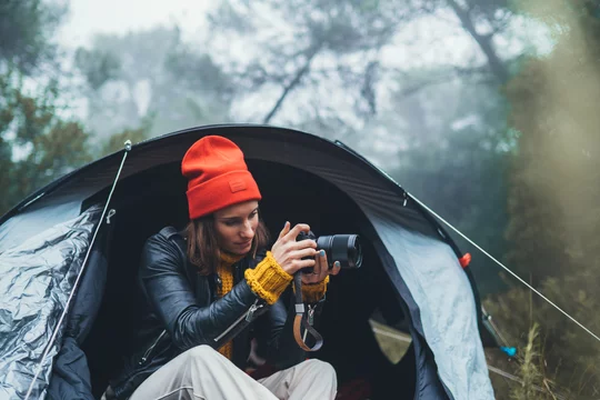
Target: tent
[(55, 246)]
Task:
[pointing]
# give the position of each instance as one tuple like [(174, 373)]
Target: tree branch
[(485, 43), (311, 53), (457, 72)]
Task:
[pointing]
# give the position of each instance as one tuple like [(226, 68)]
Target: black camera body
[(341, 247)]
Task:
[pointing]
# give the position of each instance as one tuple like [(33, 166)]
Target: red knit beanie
[(217, 176)]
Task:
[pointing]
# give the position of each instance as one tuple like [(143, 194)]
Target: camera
[(341, 247)]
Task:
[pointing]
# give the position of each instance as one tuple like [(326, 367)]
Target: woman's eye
[(230, 223)]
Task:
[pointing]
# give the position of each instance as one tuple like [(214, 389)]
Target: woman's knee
[(201, 353), (320, 368)]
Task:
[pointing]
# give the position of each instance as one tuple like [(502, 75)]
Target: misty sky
[(421, 43), (87, 17)]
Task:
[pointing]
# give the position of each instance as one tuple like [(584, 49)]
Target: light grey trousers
[(202, 373)]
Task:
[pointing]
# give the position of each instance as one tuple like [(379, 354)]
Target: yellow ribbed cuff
[(268, 280), (314, 293)]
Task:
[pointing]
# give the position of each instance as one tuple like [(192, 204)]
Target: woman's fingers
[(321, 266), (295, 231), (319, 271), (293, 260), (300, 264), (336, 268), (285, 230), (290, 234), (303, 253), (293, 255), (303, 244)]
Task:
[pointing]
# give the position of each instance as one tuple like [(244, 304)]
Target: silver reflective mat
[(36, 278)]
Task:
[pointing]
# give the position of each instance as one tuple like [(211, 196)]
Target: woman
[(208, 291)]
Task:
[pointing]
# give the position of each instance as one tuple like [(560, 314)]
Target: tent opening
[(154, 198)]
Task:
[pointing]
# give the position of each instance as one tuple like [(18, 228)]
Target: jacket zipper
[(149, 351), (245, 316)]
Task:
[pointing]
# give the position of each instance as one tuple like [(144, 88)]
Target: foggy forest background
[(486, 110)]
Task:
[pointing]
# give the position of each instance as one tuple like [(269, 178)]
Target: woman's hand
[(289, 255), (321, 269)]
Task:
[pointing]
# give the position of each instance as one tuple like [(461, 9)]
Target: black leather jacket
[(179, 310)]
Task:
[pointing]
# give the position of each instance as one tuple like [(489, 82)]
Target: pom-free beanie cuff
[(220, 192), (217, 176)]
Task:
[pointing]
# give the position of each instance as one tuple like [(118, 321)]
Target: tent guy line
[(534, 290), (127, 148), (504, 374)]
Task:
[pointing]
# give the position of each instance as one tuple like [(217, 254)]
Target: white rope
[(505, 268), (83, 265)]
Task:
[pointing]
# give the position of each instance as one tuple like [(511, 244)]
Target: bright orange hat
[(217, 176)]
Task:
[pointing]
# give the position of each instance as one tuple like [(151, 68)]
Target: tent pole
[(127, 149)]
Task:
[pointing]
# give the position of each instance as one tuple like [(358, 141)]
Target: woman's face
[(236, 226)]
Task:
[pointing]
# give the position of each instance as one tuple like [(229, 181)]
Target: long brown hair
[(203, 247)]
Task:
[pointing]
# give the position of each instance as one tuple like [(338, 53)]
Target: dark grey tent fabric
[(70, 374), (416, 257), (70, 378), (37, 278)]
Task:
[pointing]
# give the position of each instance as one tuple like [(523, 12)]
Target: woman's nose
[(247, 231)]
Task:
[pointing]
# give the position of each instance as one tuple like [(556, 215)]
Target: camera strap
[(303, 319)]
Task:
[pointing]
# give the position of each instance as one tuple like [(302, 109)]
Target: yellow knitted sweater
[(225, 273), (268, 280)]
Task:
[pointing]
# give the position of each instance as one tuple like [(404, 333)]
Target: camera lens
[(343, 248)]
